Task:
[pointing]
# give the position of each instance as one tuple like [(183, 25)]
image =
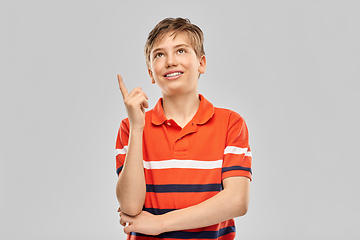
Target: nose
[(171, 61)]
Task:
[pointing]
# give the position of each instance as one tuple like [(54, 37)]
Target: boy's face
[(174, 65)]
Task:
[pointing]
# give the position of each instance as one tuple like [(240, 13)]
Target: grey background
[(290, 68)]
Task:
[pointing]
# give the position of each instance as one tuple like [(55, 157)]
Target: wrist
[(136, 129)]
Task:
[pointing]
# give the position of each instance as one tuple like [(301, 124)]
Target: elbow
[(130, 204), (130, 210), (240, 207), (242, 211)]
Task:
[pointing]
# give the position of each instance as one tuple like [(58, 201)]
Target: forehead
[(172, 39)]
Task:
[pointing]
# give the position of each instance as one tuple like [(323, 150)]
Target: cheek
[(192, 63), (194, 68), (158, 64), (158, 72), (155, 70)]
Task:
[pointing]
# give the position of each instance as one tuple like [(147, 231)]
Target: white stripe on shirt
[(121, 151), (174, 163), (237, 150)]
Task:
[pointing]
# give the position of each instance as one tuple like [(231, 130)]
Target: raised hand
[(135, 103)]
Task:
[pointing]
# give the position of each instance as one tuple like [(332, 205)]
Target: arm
[(231, 202), (131, 187)]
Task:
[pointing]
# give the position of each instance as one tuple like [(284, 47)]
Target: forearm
[(226, 205), (131, 187)]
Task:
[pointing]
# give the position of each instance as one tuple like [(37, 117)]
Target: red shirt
[(186, 166)]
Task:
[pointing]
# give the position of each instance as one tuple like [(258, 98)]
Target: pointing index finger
[(122, 87)]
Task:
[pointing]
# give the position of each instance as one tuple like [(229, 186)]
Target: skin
[(131, 187), (180, 103), (180, 95)]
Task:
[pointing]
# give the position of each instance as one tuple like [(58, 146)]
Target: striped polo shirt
[(185, 166)]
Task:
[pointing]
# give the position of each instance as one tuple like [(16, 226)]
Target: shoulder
[(220, 115), (230, 119), (228, 114)]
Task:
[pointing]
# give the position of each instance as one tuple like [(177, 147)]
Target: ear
[(151, 76), (202, 65)]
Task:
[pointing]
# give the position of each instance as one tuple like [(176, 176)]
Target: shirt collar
[(203, 114)]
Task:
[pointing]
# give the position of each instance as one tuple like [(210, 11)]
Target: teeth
[(173, 74)]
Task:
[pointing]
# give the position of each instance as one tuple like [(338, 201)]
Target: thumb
[(128, 229)]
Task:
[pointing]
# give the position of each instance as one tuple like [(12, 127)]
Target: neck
[(181, 108)]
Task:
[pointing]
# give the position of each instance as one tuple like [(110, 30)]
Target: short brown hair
[(175, 25)]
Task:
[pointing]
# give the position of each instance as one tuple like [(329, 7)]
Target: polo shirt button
[(169, 123)]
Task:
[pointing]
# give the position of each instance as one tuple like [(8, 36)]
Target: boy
[(185, 166)]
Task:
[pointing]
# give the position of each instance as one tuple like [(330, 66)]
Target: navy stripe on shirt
[(226, 169), (119, 170), (183, 188), (158, 211), (192, 235)]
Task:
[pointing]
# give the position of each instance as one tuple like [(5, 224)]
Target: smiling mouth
[(173, 74)]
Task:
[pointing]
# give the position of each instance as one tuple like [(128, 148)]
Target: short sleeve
[(121, 145), (237, 152)]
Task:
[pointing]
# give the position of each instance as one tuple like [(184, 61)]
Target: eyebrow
[(177, 46)]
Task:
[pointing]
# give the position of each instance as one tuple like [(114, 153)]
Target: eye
[(181, 51), (159, 54)]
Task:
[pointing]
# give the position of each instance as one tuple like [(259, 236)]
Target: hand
[(135, 103), (145, 223)]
